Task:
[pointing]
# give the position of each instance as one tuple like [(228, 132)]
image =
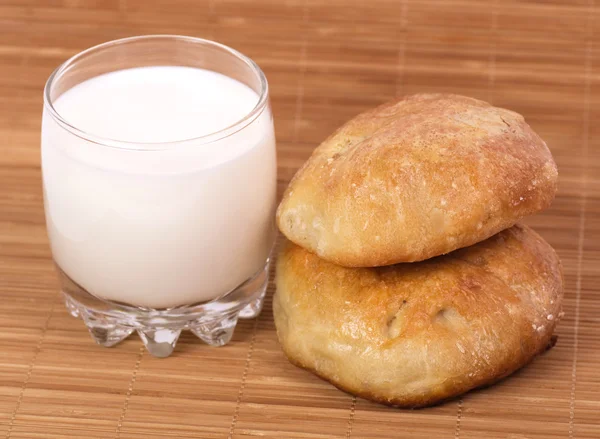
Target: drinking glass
[(157, 237)]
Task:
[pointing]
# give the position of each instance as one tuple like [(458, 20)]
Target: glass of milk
[(159, 172)]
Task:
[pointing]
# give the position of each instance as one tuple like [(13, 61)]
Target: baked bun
[(411, 335), (417, 178)]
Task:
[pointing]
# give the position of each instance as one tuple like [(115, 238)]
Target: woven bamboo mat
[(326, 60)]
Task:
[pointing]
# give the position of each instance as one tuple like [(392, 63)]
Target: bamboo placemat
[(326, 60)]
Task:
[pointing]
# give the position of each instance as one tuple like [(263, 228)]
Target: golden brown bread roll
[(412, 335), (417, 178)]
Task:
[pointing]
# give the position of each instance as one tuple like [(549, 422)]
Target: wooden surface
[(326, 60)]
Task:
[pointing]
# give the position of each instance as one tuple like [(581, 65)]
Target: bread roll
[(412, 335), (417, 178)]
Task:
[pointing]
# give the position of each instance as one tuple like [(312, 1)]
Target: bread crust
[(417, 178), (413, 335)]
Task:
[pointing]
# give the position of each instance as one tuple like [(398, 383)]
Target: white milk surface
[(160, 225)]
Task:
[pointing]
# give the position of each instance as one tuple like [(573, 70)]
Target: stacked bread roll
[(406, 279)]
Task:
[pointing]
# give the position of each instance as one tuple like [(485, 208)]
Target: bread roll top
[(417, 178)]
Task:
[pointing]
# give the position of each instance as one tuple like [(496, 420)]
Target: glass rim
[(154, 146)]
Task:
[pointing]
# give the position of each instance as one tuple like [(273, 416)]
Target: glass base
[(213, 322)]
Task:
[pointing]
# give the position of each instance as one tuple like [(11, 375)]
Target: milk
[(164, 224)]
